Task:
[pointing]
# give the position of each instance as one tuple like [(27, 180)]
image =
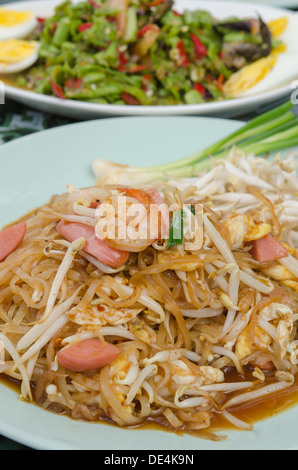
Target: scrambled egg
[(246, 342), (120, 368), (244, 228), (100, 315), (278, 272), (139, 332), (182, 375), (254, 338)]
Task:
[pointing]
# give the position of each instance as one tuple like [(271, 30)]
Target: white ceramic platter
[(229, 108)]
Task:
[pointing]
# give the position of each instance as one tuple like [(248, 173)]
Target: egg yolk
[(15, 50), (9, 18)]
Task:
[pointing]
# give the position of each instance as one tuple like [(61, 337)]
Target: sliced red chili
[(200, 48), (132, 68), (122, 59), (129, 99), (57, 90), (200, 88), (219, 82), (145, 80), (184, 60), (144, 29), (84, 26), (154, 3)]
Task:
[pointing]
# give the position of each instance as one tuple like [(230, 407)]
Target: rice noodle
[(181, 318)]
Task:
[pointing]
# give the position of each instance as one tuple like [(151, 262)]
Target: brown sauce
[(251, 412), (12, 80)]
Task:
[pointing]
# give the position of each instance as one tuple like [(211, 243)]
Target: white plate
[(273, 3), (35, 167), (229, 108)]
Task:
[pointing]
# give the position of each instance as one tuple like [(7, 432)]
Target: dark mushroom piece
[(237, 54), (146, 15), (161, 10)]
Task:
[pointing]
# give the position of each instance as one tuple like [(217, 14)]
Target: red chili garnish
[(54, 27), (144, 30), (40, 20), (219, 82), (200, 48), (122, 60), (94, 4), (57, 90), (184, 61), (129, 99), (74, 83), (147, 77), (84, 26), (145, 80), (154, 3), (100, 308), (134, 68), (176, 13), (200, 88), (137, 68)]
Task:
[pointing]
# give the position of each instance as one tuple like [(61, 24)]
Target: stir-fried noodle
[(130, 330)]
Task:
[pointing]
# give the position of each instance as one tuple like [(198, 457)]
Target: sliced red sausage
[(267, 249), (88, 355), (94, 246), (11, 238)]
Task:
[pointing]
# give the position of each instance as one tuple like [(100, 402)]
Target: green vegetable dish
[(139, 53)]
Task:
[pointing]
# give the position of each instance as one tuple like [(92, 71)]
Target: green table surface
[(17, 121)]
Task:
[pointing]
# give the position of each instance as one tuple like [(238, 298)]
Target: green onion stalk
[(274, 130)]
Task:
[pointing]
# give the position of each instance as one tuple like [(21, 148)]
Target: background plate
[(230, 108), (34, 168), (273, 3)]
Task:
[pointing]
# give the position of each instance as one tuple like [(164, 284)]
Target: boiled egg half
[(268, 73), (16, 24), (17, 55)]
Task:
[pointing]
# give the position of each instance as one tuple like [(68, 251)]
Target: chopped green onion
[(177, 227)]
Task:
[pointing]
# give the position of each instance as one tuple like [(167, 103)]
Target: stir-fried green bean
[(139, 52)]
